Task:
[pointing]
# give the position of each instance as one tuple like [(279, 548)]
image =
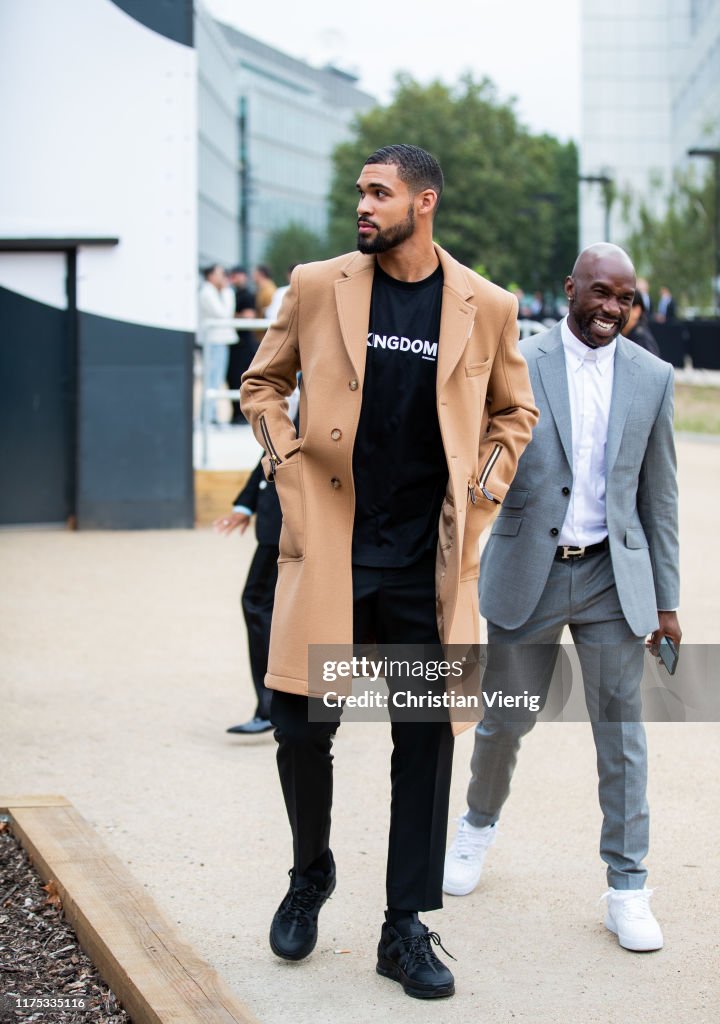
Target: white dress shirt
[(590, 381)]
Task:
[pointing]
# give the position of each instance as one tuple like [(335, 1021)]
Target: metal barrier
[(211, 395), (527, 327)]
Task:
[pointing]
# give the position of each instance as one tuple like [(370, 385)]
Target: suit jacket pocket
[(288, 481), (635, 538), (515, 499), (506, 526)]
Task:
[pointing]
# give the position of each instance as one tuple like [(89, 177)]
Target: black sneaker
[(294, 932), (405, 954)]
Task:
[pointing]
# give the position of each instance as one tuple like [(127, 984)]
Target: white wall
[(99, 137)]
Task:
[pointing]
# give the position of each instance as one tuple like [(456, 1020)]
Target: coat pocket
[(475, 369), (288, 481)]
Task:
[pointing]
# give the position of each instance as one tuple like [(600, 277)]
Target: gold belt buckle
[(569, 552)]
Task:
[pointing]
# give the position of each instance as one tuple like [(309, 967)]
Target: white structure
[(650, 92), (98, 258)]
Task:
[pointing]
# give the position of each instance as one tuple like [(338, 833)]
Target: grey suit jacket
[(641, 496)]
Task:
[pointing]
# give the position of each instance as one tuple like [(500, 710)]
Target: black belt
[(567, 553)]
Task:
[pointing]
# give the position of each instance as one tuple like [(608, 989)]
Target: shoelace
[(302, 902), (635, 907), (419, 948), (467, 844)]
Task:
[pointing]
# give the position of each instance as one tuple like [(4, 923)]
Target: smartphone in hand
[(668, 654)]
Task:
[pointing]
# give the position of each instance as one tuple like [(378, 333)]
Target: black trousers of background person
[(258, 598), (239, 358), (391, 606)]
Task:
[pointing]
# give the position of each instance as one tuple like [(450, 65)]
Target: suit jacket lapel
[(353, 292), (624, 387), (553, 373)]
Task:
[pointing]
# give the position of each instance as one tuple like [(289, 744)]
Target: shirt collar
[(577, 351)]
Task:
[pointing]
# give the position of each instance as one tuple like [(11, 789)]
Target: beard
[(584, 325), (390, 237)]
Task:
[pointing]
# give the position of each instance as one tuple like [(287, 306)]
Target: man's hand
[(669, 626), (235, 521)]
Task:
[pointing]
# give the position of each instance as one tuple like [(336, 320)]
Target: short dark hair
[(416, 167), (264, 269)]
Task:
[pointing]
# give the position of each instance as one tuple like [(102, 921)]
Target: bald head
[(600, 292), (601, 251)]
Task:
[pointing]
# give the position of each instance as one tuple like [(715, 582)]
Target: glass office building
[(650, 92)]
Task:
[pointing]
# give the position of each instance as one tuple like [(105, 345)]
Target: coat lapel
[(353, 292), (457, 317), (624, 387), (551, 367)]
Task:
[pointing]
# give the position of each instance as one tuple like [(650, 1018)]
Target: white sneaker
[(464, 859), (628, 915)]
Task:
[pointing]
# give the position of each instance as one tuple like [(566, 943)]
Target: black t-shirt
[(399, 465)]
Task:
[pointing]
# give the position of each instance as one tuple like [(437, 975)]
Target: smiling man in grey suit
[(587, 538)]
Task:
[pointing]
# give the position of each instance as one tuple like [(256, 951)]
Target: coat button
[(353, 385), (554, 532), (336, 434), (335, 482), (566, 490)]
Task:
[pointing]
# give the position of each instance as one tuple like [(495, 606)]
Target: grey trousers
[(581, 595)]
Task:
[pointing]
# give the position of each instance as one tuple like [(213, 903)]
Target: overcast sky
[(530, 48)]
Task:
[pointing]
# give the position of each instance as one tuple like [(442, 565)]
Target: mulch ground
[(44, 974)]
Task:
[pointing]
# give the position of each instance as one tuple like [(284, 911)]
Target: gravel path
[(123, 663)]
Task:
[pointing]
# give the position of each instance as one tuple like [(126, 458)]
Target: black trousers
[(257, 601), (391, 606)]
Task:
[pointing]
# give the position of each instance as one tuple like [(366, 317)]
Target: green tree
[(292, 244), (510, 203), (675, 249)]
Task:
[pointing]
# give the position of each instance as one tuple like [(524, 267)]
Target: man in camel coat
[(415, 406)]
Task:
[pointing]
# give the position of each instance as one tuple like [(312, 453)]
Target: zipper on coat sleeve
[(270, 448), (487, 470)]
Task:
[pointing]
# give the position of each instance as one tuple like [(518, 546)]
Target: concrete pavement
[(123, 661)]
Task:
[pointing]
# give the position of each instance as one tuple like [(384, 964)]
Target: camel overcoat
[(486, 412)]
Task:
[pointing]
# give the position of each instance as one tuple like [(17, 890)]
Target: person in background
[(666, 306), (216, 302), (258, 498), (274, 308), (643, 290), (265, 288), (637, 330), (241, 354)]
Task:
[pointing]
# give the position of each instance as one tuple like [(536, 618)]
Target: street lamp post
[(607, 189), (714, 155)]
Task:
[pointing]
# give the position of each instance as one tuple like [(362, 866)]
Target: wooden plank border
[(155, 974)]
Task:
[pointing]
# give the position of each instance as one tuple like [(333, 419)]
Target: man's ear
[(569, 287), (426, 201)]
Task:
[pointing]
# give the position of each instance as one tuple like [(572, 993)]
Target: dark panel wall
[(135, 426), (37, 402), (171, 18)]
